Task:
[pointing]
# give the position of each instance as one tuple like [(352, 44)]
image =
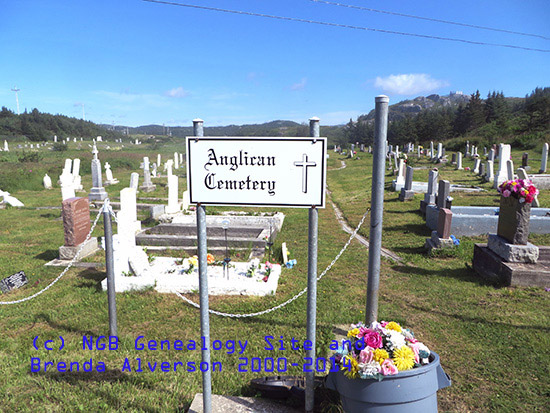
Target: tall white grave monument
[(97, 193)]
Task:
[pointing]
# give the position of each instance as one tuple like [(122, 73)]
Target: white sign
[(257, 171)]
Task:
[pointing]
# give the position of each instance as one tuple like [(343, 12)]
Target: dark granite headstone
[(525, 160), (482, 169), (453, 160), (409, 178), (442, 193), (14, 281), (444, 223), (513, 220), (76, 220)]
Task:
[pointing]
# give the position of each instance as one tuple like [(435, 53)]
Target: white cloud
[(176, 92), (409, 84), (299, 86)]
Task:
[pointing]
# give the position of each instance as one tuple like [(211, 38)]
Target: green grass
[(493, 342)]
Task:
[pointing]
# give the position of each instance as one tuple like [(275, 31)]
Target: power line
[(412, 16), (346, 26)]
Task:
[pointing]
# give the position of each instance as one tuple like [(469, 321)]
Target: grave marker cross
[(304, 164)]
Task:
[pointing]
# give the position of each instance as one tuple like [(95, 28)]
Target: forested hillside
[(523, 121), (37, 126)]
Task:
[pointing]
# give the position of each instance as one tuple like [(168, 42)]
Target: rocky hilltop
[(420, 103)]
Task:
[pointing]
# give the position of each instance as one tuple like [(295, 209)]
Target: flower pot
[(408, 391), (513, 220)]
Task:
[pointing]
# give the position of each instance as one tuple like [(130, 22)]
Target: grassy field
[(493, 342)]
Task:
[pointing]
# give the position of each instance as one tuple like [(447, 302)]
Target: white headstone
[(544, 160), (173, 205), (401, 173), (128, 207), (476, 165), (67, 188), (439, 150), (47, 181), (459, 160), (186, 201), (158, 160), (6, 148), (176, 161), (490, 171), (509, 170), (504, 156), (168, 167), (55, 138), (134, 180)]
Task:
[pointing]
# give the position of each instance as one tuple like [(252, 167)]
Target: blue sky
[(131, 62)]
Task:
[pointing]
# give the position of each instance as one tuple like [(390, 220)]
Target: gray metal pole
[(377, 206), (109, 263), (203, 292), (312, 285), (198, 129)]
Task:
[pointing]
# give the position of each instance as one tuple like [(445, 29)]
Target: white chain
[(291, 299), (105, 205)]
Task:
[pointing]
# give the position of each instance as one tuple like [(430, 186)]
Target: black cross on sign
[(304, 164)]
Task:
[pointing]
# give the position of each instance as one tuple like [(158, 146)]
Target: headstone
[(186, 201), (362, 147), (419, 150), (502, 174), (168, 167), (67, 186), (544, 160), (525, 160), (285, 252), (439, 151), (6, 148), (444, 223), (429, 197), (147, 184), (128, 209), (47, 181), (77, 179), (14, 281), (443, 193), (484, 151), (407, 192), (173, 205), (97, 193), (522, 174), (396, 162), (477, 162), (176, 161), (490, 176), (467, 148), (109, 179), (76, 226), (431, 149), (459, 160), (158, 160), (509, 170), (154, 170), (482, 170), (181, 159), (99, 139), (55, 138), (400, 180), (453, 159), (134, 180), (491, 155)]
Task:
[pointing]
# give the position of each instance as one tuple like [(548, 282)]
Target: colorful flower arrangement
[(522, 189), (381, 349), (268, 268)]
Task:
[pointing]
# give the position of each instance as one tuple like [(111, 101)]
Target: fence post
[(377, 206), (109, 264)]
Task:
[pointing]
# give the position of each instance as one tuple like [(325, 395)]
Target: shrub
[(30, 157), (59, 147)]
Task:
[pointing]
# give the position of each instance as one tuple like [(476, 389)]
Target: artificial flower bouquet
[(522, 189), (378, 350)]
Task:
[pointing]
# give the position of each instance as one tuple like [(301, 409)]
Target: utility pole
[(15, 89)]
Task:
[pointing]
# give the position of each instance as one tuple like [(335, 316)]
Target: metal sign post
[(203, 292), (377, 206), (311, 284), (257, 171)]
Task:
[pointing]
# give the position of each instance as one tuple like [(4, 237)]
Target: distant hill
[(414, 106)]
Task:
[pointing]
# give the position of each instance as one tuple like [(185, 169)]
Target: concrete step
[(191, 241), (191, 230)]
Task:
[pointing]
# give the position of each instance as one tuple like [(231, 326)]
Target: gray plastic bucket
[(409, 391)]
